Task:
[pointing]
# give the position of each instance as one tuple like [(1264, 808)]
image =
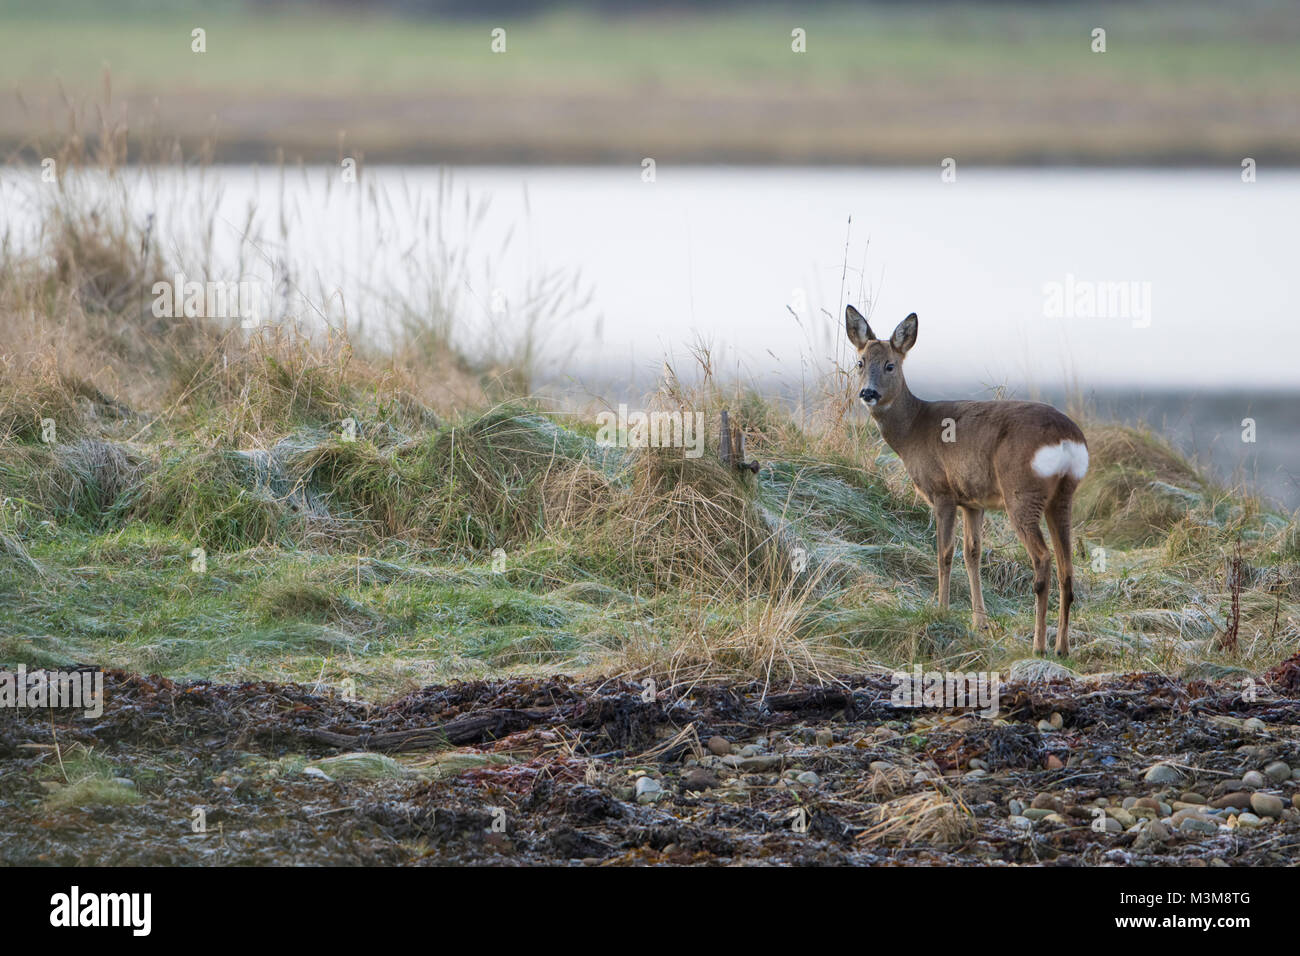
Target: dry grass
[(926, 819)]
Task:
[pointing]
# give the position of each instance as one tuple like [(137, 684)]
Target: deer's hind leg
[(972, 522), (1026, 511), (1058, 526)]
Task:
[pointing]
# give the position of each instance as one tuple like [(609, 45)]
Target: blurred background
[(733, 174)]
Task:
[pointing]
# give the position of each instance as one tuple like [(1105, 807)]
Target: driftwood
[(820, 698), (470, 729)]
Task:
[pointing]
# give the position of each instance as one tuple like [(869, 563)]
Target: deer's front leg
[(945, 524), (973, 528)]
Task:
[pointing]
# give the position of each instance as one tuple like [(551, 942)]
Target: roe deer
[(1025, 458)]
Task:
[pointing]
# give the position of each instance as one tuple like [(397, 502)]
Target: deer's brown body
[(1025, 458)]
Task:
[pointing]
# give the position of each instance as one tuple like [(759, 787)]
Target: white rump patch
[(1071, 456)]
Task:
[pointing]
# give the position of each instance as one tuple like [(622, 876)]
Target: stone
[(1240, 800), (1253, 780), (1056, 720), (1266, 805), (1156, 830), (1020, 823), (1046, 801), (699, 779), (1015, 807), (1163, 773), (1054, 762), (1037, 815), (809, 779), (1196, 825), (1277, 771), (1253, 725), (1191, 796), (719, 746), (825, 738), (760, 763), (1249, 820), (1125, 818)]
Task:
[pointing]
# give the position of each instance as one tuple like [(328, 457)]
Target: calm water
[(1160, 289)]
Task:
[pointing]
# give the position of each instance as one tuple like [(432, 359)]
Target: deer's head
[(880, 363)]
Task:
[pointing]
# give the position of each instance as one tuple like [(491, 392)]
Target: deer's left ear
[(904, 336)]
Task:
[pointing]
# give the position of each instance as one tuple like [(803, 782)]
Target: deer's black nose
[(869, 395)]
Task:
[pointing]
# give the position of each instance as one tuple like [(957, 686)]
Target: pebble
[(1021, 823), (878, 765), (977, 764), (1045, 726), (1266, 805), (1129, 803), (1046, 801), (1016, 808), (698, 779), (1155, 830), (1124, 818), (1056, 720), (1056, 818), (1191, 796), (750, 750), (760, 763), (648, 790), (1249, 820), (1240, 800), (1163, 773), (1253, 725), (809, 779), (1197, 825), (1253, 779), (1148, 803), (825, 738), (1113, 826), (1054, 762), (1277, 771), (1037, 814), (316, 772), (719, 746)]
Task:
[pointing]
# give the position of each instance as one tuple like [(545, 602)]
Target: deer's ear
[(904, 336), (856, 325)]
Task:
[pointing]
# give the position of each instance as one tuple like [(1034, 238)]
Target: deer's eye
[(889, 367), (859, 363)]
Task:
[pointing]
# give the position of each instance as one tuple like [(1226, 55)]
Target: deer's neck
[(898, 420)]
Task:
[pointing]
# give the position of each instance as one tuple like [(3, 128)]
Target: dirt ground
[(562, 771)]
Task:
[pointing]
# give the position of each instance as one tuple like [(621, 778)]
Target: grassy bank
[(190, 498), (983, 83)]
